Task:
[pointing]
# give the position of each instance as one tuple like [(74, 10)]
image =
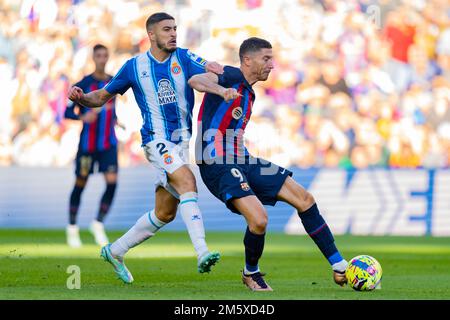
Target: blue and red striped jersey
[(98, 135), (221, 124)]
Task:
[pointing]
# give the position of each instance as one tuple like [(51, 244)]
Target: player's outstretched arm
[(208, 82), (93, 99)]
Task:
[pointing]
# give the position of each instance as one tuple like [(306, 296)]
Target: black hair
[(252, 45), (99, 46), (157, 17)]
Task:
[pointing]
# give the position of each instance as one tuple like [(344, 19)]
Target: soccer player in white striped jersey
[(159, 78)]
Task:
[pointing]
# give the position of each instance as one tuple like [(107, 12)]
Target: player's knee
[(259, 224), (111, 179), (309, 199), (304, 201)]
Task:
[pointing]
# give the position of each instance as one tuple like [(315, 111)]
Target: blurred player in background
[(97, 146), (245, 183), (158, 78)]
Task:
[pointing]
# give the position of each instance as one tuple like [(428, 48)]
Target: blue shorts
[(232, 181), (106, 159)]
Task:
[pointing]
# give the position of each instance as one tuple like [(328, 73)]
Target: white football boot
[(98, 231), (73, 236)]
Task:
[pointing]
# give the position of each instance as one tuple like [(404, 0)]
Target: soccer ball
[(363, 273)]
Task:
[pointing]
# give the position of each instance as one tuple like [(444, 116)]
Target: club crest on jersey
[(168, 159), (166, 94), (176, 69), (237, 113), (245, 186)]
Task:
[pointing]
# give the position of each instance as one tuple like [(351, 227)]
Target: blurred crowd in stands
[(356, 84)]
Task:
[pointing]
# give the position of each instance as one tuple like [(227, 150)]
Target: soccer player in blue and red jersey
[(98, 145), (158, 78), (245, 183)]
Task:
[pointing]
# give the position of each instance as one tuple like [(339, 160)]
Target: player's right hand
[(75, 93), (230, 94)]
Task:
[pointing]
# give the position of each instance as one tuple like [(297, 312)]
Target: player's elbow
[(195, 83)]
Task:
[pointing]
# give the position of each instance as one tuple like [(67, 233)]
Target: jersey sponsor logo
[(196, 58), (176, 69), (245, 186), (166, 94), (237, 113), (145, 74), (168, 159)]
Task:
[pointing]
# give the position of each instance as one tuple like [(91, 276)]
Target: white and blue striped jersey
[(161, 92)]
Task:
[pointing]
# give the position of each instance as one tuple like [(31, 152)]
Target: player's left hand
[(230, 94), (214, 67), (75, 93)]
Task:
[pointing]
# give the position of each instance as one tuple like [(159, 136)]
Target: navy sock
[(321, 234), (75, 197), (106, 201), (254, 246)]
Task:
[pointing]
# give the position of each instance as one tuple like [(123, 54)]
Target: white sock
[(192, 217), (144, 228), (246, 272), (340, 266)]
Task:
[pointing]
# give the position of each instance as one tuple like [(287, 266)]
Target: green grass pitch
[(33, 265)]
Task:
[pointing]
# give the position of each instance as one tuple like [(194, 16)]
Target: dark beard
[(163, 48)]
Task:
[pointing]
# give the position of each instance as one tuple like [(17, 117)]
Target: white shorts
[(167, 156)]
